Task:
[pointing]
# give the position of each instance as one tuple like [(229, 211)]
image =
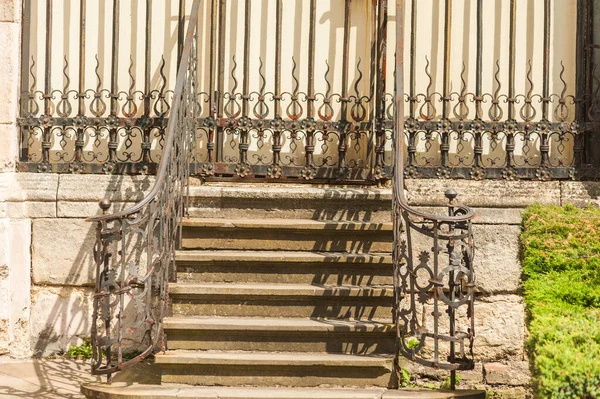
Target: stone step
[(274, 369), (283, 267), (282, 300), (280, 334), (143, 391), (288, 201), (298, 234)]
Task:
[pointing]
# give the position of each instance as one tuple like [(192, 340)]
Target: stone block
[(32, 210), (62, 251), (34, 187), (581, 193), (484, 193), (67, 209), (10, 43), (60, 316), (10, 10), (515, 373), (499, 327), (93, 188), (496, 261)]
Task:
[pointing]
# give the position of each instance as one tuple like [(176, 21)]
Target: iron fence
[(280, 125)]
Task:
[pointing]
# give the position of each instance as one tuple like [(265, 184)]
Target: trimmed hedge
[(561, 267)]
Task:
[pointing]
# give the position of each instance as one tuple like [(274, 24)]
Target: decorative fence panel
[(304, 90)]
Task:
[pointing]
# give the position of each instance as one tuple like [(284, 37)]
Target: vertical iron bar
[(445, 146), (582, 76), (221, 74), (451, 286), (46, 139), (210, 146), (79, 142), (246, 86), (114, 105), (546, 60), (511, 61), (310, 147), (311, 60), (479, 67), (447, 39), (478, 148), (342, 147), (544, 145), (413, 49), (380, 139), (147, 88), (510, 137), (277, 91)]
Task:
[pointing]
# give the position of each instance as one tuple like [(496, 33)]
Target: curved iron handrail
[(135, 248), (422, 286)]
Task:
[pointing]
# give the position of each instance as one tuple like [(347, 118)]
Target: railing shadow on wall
[(275, 104)]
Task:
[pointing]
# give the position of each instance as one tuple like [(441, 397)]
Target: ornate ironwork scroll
[(434, 280), (135, 248)]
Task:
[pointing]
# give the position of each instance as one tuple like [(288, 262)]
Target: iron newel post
[(424, 280)]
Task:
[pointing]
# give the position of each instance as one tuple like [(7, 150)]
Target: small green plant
[(404, 378), (447, 383), (412, 343), (80, 352)]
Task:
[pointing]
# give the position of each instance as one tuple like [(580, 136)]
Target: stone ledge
[(484, 193)]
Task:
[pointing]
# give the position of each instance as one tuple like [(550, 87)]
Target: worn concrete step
[(144, 391), (283, 267), (280, 334), (287, 235), (274, 369), (282, 300)]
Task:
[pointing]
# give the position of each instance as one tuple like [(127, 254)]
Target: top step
[(234, 201)]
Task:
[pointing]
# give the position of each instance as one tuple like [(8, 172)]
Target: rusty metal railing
[(433, 263), (135, 248)]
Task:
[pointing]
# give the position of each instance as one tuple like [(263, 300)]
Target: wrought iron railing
[(433, 265), (135, 248), (336, 123)]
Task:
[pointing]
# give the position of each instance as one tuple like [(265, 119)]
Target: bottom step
[(140, 391), (289, 369)]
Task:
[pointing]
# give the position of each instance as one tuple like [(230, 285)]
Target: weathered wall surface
[(15, 234)]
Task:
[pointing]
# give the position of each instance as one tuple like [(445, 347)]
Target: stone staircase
[(283, 292), (281, 302)]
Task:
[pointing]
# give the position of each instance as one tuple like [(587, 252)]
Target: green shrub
[(561, 268)]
